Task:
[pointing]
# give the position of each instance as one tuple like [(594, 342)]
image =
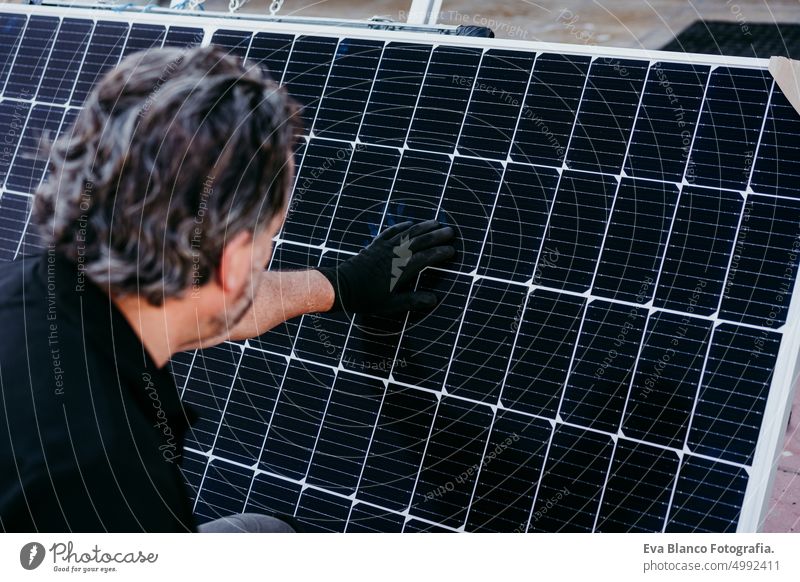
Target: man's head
[(174, 177)]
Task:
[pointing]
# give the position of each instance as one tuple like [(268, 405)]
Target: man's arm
[(280, 296), (378, 279)]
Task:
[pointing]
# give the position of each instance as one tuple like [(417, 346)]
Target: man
[(158, 216)]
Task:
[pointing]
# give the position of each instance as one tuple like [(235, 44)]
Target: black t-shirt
[(91, 431)]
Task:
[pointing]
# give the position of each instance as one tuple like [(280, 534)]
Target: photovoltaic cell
[(517, 224), (271, 51), (348, 88), (394, 93), (636, 496), (733, 393), (708, 497), (603, 367), (509, 473), (452, 458), (102, 54), (548, 113), (729, 127), (307, 71), (495, 104), (606, 115), (575, 231), (662, 135), (668, 371), (698, 252), (777, 169), (34, 49), (443, 98), (545, 392), (65, 60), (541, 358), (635, 240)]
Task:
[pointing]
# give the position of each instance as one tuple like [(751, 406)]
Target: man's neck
[(156, 326)]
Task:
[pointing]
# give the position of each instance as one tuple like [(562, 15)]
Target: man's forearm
[(283, 295)]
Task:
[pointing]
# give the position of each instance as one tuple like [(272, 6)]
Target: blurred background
[(643, 24)]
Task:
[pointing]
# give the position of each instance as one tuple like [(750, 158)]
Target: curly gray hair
[(174, 150)]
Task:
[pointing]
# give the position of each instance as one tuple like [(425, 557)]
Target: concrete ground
[(649, 24)]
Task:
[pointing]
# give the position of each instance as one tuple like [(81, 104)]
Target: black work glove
[(376, 279)]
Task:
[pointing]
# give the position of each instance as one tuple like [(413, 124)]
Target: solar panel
[(615, 341)]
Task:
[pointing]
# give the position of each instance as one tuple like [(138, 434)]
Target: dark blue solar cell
[(452, 460), (182, 36), (348, 88), (372, 344), (103, 53), (271, 51), (394, 94), (572, 483), (729, 127), (495, 104), (368, 519), (271, 495), (223, 491), (467, 203), (765, 261), (777, 169), (319, 511), (485, 340), (662, 136), (607, 348), (548, 114), (236, 42), (322, 335), (699, 250), (636, 497), (344, 438), (443, 98), (28, 166), (192, 468), (13, 115), (207, 391), (667, 377), (296, 420), (34, 49), (418, 187), (318, 184), (606, 115), (575, 232), (510, 472), (542, 353), (286, 256), (708, 497), (429, 336), (307, 72), (11, 26), (179, 366), (518, 221), (730, 406), (249, 409), (362, 203), (635, 240), (15, 210), (397, 446), (65, 60), (143, 37)]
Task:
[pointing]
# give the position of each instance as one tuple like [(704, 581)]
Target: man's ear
[(236, 263)]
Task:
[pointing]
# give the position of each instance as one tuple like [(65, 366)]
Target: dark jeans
[(247, 523)]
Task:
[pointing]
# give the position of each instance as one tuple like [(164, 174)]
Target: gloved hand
[(375, 280)]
